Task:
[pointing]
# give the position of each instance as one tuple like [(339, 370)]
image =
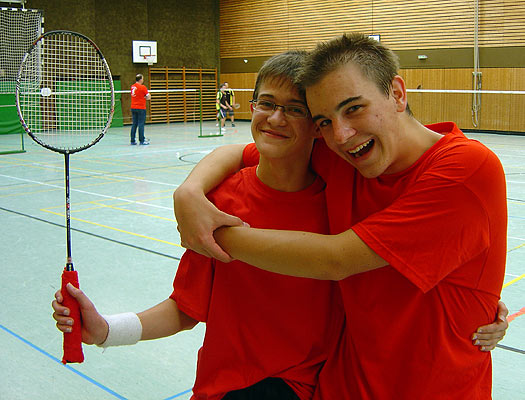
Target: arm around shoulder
[(196, 216), (302, 254)]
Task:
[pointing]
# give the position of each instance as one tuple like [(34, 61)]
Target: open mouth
[(362, 149)]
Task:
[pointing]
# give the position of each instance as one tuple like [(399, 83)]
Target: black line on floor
[(92, 234), (501, 346)]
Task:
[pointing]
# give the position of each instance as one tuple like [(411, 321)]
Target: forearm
[(164, 319), (302, 254)]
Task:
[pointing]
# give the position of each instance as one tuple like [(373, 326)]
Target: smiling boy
[(267, 335)]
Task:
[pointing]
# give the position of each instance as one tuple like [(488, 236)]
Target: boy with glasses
[(267, 335)]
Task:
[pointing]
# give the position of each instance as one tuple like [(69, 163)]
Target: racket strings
[(65, 92)]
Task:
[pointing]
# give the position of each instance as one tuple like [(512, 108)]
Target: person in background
[(139, 95), (230, 99), (222, 106)]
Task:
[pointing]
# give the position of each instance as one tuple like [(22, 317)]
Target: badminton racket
[(236, 105), (65, 99)]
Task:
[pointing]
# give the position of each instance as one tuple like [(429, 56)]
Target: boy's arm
[(301, 254), (164, 319), (197, 217)]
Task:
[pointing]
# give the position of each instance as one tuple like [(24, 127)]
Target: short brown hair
[(282, 67), (138, 77), (377, 62)]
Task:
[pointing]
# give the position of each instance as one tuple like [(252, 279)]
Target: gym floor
[(126, 248)]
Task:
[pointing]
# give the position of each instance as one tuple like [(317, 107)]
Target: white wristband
[(124, 329)]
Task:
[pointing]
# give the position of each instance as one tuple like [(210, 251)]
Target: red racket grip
[(72, 340)]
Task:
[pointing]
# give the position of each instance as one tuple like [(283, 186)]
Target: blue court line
[(118, 396), (178, 394)]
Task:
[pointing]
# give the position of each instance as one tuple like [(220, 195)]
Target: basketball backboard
[(145, 52)]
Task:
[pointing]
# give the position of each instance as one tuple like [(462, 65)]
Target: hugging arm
[(197, 217), (302, 254), (487, 336)]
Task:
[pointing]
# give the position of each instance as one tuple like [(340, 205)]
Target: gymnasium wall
[(187, 32), (251, 31)]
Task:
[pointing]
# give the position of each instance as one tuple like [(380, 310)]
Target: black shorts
[(229, 113), (267, 389)]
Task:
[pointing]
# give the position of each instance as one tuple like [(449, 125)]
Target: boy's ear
[(399, 93)]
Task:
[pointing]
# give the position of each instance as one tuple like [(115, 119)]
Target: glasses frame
[(276, 106)]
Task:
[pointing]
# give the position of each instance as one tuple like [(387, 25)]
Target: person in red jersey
[(418, 237), (267, 335), (139, 95)]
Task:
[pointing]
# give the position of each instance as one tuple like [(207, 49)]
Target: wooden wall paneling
[(495, 108), (457, 107), (258, 28), (517, 101), (431, 110), (414, 78), (182, 106)]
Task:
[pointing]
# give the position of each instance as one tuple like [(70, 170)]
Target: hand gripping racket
[(65, 99)]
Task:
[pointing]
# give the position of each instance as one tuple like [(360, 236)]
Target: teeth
[(358, 148)]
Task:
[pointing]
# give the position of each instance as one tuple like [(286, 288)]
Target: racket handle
[(72, 340)]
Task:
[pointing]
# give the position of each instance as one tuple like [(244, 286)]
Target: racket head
[(236, 105), (64, 92)]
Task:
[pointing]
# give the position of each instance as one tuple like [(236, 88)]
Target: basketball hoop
[(149, 59)]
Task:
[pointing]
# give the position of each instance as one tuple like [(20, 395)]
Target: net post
[(22, 142), (200, 112), (200, 134)]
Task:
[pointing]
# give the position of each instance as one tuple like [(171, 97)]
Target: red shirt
[(441, 224), (260, 324), (138, 96)]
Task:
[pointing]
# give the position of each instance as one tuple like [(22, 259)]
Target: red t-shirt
[(138, 96), (260, 324), (441, 224)]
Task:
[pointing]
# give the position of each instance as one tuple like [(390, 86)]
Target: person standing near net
[(267, 335), (139, 95), (222, 106), (418, 240), (230, 99)]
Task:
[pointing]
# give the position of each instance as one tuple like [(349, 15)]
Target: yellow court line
[(121, 230), (140, 213), (513, 281), (515, 248)]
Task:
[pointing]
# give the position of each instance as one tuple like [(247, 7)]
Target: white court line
[(177, 152), (91, 193), (103, 174), (515, 237)]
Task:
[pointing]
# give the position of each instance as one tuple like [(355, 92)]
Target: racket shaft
[(72, 340)]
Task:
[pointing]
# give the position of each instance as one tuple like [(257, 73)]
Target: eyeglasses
[(267, 106)]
